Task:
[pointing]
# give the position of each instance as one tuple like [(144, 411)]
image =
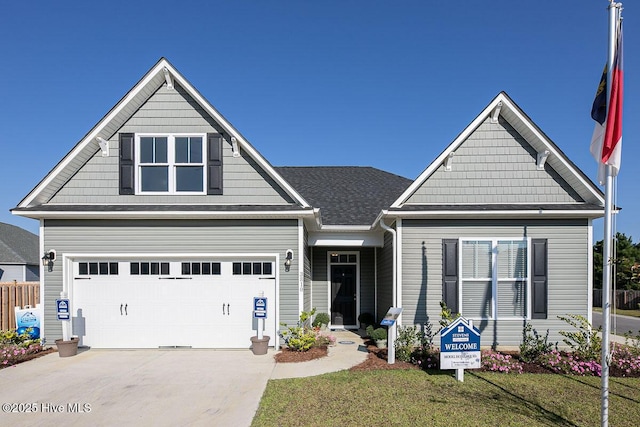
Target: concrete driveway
[(136, 387)]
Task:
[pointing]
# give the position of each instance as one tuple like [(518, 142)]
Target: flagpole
[(614, 13)]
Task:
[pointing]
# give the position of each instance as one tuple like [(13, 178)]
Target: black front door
[(343, 295)]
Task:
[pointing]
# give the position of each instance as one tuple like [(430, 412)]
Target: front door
[(343, 295)]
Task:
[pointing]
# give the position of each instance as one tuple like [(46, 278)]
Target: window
[(149, 268), (98, 268), (494, 277), (201, 268), (252, 268), (171, 164)]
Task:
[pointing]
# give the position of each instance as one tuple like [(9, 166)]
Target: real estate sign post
[(460, 347)]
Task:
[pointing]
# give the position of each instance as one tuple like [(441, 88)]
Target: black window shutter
[(127, 163), (450, 274), (539, 280), (214, 163)]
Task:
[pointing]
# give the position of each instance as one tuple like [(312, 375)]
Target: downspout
[(391, 355)]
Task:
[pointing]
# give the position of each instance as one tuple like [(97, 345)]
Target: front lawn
[(435, 398)]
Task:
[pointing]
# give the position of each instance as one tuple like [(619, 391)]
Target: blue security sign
[(460, 346), (63, 310), (259, 307)]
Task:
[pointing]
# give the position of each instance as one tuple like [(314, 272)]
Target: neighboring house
[(19, 254), (167, 222)]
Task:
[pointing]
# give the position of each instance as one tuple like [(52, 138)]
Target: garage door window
[(252, 268), (97, 268), (201, 268), (149, 268)]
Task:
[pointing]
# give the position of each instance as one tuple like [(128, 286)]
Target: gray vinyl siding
[(109, 130), (494, 165), (319, 267), (385, 277), (307, 299), (367, 280), (11, 272), (170, 111), (568, 249), (167, 237)]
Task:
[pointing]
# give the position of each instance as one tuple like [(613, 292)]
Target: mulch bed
[(287, 355), (377, 360), (32, 356)]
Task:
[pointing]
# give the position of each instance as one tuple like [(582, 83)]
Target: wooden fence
[(13, 294), (625, 300)]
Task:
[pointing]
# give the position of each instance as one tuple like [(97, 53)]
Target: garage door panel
[(212, 310)]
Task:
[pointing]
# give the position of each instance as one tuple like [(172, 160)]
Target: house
[(19, 254), (166, 223)]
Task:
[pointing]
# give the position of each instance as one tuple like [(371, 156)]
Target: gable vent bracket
[(167, 77), (448, 161), (496, 113), (234, 147), (104, 146), (542, 159)]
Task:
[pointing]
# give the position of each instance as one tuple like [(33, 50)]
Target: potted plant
[(365, 320), (321, 321), (67, 348), (379, 335)]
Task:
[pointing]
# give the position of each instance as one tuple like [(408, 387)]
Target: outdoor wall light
[(287, 259), (48, 258)]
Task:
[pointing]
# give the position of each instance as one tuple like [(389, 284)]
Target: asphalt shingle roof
[(18, 246), (346, 195)]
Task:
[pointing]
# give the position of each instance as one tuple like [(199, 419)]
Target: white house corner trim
[(42, 282), (300, 257), (399, 268)]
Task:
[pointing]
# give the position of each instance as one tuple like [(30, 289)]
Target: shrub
[(625, 358), (406, 342), (533, 345), (320, 319), (15, 348), (498, 362), (323, 340), (300, 337), (567, 363), (376, 334), (585, 342), (366, 319), (446, 316)]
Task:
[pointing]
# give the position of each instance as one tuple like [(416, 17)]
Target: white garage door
[(171, 303)]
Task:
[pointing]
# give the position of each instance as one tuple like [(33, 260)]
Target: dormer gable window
[(170, 164), (155, 164)]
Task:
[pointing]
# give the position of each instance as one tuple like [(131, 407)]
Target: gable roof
[(346, 195), (511, 112), (18, 246), (119, 114)]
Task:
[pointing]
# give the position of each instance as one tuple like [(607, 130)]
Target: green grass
[(411, 398), (634, 313)]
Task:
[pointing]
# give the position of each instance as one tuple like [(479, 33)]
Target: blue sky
[(373, 83)]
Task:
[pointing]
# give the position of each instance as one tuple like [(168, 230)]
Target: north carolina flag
[(606, 143)]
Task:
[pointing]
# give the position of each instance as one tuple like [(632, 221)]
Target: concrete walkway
[(348, 351)]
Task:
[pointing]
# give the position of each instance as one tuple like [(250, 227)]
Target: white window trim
[(171, 164), (494, 279)]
